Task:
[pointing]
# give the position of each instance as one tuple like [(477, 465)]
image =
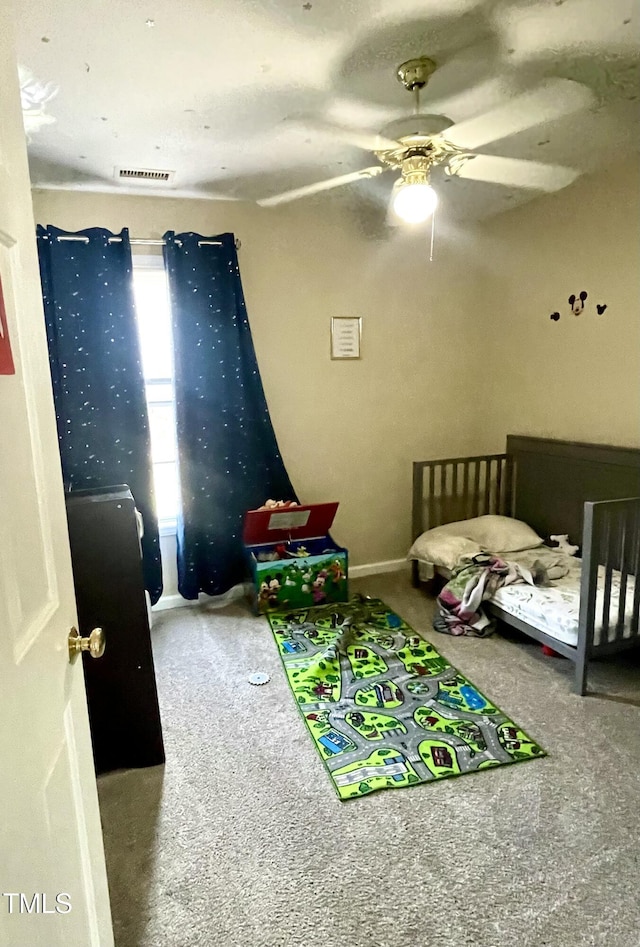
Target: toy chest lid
[(291, 522)]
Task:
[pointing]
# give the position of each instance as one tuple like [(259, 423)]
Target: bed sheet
[(555, 609)]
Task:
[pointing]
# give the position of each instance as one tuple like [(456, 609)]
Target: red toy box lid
[(290, 522)]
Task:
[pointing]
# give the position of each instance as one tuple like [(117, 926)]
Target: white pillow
[(441, 548), (498, 533), (444, 545)]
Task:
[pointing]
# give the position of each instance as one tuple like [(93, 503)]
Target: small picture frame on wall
[(346, 335)]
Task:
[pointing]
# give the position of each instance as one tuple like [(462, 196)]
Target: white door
[(53, 887)]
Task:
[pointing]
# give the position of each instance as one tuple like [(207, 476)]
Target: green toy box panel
[(300, 581)]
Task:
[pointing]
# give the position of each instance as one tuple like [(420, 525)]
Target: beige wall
[(347, 430), (578, 378), (456, 353)]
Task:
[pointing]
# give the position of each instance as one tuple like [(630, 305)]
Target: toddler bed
[(509, 504)]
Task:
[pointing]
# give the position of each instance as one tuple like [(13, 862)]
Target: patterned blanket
[(476, 579)]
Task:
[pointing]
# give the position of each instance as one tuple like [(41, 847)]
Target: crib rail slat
[(608, 575), (457, 488), (622, 597), (487, 486), (509, 480), (432, 494), (476, 487), (417, 502), (465, 490), (635, 547)]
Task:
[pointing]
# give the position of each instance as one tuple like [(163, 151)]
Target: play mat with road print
[(391, 711)]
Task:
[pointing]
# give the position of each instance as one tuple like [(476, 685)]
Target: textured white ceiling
[(209, 90)]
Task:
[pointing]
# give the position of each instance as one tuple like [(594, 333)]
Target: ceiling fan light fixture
[(415, 202)]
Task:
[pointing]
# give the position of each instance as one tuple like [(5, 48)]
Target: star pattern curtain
[(228, 455), (98, 387)]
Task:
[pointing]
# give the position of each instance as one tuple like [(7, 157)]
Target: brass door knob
[(94, 644)]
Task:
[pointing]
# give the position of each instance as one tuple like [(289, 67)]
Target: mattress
[(555, 609)]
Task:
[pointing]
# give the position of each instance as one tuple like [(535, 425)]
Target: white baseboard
[(375, 568), (238, 591), (213, 601)]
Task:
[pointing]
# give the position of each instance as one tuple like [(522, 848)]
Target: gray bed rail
[(610, 582)]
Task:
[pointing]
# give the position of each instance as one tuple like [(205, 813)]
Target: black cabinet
[(121, 686)]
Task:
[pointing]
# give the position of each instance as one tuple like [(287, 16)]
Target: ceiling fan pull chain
[(433, 228)]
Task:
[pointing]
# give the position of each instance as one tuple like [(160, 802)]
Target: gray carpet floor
[(240, 840)]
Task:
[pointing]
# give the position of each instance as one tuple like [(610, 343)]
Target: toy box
[(294, 562)]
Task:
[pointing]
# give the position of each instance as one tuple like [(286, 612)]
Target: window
[(156, 344)]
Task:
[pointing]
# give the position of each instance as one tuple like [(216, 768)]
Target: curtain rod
[(150, 243)]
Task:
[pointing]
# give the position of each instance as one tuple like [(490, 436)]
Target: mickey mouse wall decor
[(577, 302)]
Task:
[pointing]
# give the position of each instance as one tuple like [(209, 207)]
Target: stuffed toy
[(564, 545), (277, 504)]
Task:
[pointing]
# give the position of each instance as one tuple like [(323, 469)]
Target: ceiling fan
[(417, 143)]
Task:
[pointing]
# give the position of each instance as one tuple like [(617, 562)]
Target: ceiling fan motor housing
[(417, 126), (415, 73), (415, 169)]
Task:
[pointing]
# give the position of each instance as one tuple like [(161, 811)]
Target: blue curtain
[(228, 455), (98, 386)]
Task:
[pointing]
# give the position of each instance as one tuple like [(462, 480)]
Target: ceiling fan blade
[(297, 192), (516, 172), (549, 100), (368, 141)]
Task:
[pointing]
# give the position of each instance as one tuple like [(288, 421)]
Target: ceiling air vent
[(144, 175)]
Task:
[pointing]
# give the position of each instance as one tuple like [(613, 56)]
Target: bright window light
[(156, 346)]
